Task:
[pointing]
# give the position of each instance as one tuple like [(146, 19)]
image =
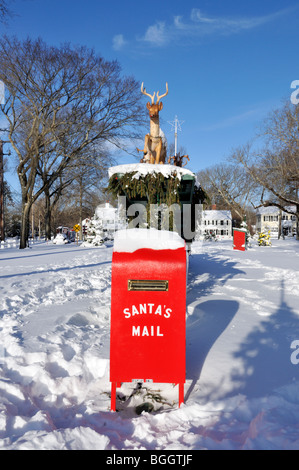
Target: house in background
[(110, 217), (216, 222), (271, 218)]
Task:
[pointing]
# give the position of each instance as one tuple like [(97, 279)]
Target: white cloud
[(156, 34), (196, 15), (199, 26), (118, 42), (178, 23)]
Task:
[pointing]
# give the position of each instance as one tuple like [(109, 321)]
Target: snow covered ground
[(242, 376)]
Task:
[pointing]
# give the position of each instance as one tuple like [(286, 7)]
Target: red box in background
[(148, 311), (239, 239)]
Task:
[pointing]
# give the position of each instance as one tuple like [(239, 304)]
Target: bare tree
[(87, 169), (5, 11), (228, 185), (59, 102), (84, 178), (275, 168)]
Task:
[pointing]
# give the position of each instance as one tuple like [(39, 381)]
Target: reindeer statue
[(154, 147)]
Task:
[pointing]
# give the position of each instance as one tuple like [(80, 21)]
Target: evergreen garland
[(157, 188), (152, 188)]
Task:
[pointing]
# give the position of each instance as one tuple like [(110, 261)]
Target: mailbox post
[(148, 306)]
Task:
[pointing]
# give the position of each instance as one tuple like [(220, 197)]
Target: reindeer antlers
[(162, 96), (143, 91)]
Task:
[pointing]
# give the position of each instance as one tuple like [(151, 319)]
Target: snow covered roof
[(86, 221), (145, 168), (130, 240), (274, 210), (267, 210), (217, 215), (291, 209), (105, 210), (105, 205)]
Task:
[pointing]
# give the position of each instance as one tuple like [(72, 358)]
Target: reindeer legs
[(146, 150)]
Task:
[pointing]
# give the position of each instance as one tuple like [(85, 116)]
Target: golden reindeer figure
[(154, 148)]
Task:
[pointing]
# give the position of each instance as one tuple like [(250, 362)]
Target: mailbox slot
[(147, 285)]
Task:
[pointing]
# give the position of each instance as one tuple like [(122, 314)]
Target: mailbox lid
[(148, 326)]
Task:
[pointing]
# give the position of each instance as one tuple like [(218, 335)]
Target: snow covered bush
[(264, 239), (244, 226), (95, 234)]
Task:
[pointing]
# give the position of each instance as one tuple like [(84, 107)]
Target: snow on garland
[(154, 188), (156, 185), (157, 188)]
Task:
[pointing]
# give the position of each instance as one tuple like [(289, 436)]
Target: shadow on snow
[(266, 353), (263, 358), (207, 319)]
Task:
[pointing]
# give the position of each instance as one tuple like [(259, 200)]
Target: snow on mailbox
[(148, 305)]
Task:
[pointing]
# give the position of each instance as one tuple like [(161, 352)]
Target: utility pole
[(176, 124), (2, 231)]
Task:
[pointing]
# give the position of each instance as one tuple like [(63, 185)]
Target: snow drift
[(241, 388)]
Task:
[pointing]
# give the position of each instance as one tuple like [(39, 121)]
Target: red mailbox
[(239, 239), (148, 306)]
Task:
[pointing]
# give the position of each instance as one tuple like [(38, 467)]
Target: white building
[(110, 217), (268, 218), (107, 214), (216, 222)]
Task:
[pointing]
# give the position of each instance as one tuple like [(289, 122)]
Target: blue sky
[(227, 63)]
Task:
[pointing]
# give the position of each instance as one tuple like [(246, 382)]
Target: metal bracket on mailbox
[(147, 285), (142, 381)]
